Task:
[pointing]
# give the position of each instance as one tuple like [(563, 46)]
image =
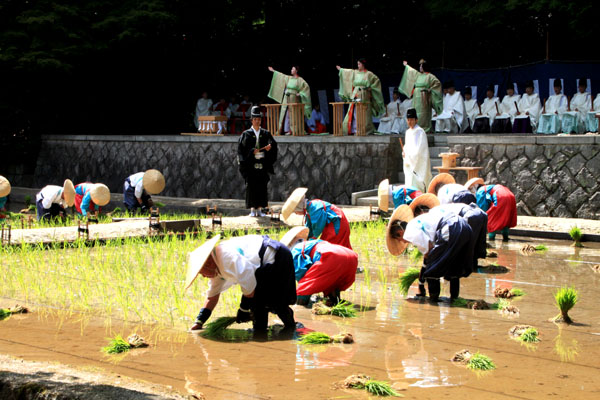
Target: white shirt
[(530, 103), (556, 103), (50, 194), (203, 107), (488, 108), (237, 260), (137, 181), (581, 101), (472, 110), (420, 231), (507, 107), (448, 191)]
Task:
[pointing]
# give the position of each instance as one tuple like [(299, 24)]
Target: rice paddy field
[(82, 295)]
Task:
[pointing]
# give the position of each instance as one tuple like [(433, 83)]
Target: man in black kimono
[(257, 152)]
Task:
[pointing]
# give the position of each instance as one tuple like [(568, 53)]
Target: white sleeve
[(47, 201), (139, 188), (416, 235), (238, 269), (217, 285)]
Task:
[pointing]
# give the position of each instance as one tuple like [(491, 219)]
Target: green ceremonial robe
[(426, 92), (353, 87), (286, 87)]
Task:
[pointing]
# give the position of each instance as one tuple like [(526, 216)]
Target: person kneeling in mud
[(261, 266), (444, 239), (322, 267)]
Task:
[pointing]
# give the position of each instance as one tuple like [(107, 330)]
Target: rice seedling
[(116, 345), (566, 298), (530, 335), (480, 362), (516, 292), (415, 255), (459, 302), (216, 329), (344, 309), (407, 278), (361, 381), (315, 338), (541, 247), (4, 313), (576, 235)]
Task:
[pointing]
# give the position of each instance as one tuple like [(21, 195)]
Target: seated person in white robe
[(592, 121), (389, 123), (528, 113), (487, 112), (471, 108), (573, 120), (203, 108), (554, 107), (503, 120), (453, 118)]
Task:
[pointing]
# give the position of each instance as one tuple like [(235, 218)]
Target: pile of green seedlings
[(119, 345), (323, 338), (474, 361), (364, 382), (342, 309), (565, 298)]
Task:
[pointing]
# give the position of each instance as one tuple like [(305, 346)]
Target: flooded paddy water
[(80, 297)]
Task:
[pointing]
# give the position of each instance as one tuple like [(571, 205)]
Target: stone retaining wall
[(554, 176), (206, 167)]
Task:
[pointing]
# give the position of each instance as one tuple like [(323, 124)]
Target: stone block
[(558, 161), (498, 151), (575, 164), (566, 181), (532, 151), (549, 179), (575, 199), (550, 151), (593, 165), (502, 164), (518, 164), (485, 151), (513, 152), (589, 152), (522, 209), (555, 199), (541, 210), (538, 164), (535, 196), (561, 211), (470, 151), (458, 148), (525, 179), (591, 208)]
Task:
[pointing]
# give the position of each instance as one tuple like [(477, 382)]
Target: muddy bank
[(25, 380)]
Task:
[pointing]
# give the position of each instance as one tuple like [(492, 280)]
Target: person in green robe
[(425, 90), (360, 85), (289, 89)]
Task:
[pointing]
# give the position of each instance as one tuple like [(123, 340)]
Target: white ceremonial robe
[(488, 109), (592, 121), (203, 109), (417, 168), (508, 108), (472, 110), (453, 118), (550, 121), (530, 107), (50, 194), (388, 122), (580, 105)]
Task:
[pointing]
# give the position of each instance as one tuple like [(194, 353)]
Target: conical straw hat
[(197, 258), (4, 186), (292, 202), (69, 192), (474, 181), (428, 200), (294, 234), (153, 181), (396, 246), (383, 195), (100, 194), (443, 179)]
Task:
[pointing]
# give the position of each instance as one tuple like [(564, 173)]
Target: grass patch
[(407, 278), (480, 362)]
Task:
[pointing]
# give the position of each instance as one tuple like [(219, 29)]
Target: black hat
[(557, 83), (411, 113), (583, 82), (491, 88), (510, 85), (529, 84), (448, 84), (468, 90), (255, 112)]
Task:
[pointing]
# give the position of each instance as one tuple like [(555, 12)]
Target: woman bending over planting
[(261, 266), (324, 220), (500, 205), (444, 238), (89, 197)]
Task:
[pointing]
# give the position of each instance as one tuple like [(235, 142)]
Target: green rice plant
[(500, 304), (344, 309), (459, 302), (576, 235), (541, 247), (515, 292), (566, 298), (216, 329), (27, 200), (315, 338), (159, 204), (407, 278), (4, 313), (380, 388), (116, 346), (480, 362), (415, 255), (530, 336)]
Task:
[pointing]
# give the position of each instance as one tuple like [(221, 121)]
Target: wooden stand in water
[(338, 118)]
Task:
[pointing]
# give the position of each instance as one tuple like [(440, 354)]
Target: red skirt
[(78, 200), (505, 213), (335, 270), (343, 236)]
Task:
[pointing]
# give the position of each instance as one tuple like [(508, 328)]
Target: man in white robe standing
[(453, 118), (415, 154), (388, 123), (573, 120), (203, 108), (471, 109), (554, 107), (488, 110), (528, 112), (507, 111)]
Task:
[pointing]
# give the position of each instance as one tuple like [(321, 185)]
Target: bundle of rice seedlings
[(576, 235), (159, 204), (516, 292), (18, 309), (501, 304), (541, 247), (217, 328), (343, 309), (527, 249), (136, 341), (116, 346), (459, 302), (478, 305), (480, 362), (320, 308), (407, 278), (361, 381), (566, 298), (315, 338), (343, 338), (530, 335), (502, 292), (4, 313)]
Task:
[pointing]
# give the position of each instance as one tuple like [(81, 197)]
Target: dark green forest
[(138, 66)]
